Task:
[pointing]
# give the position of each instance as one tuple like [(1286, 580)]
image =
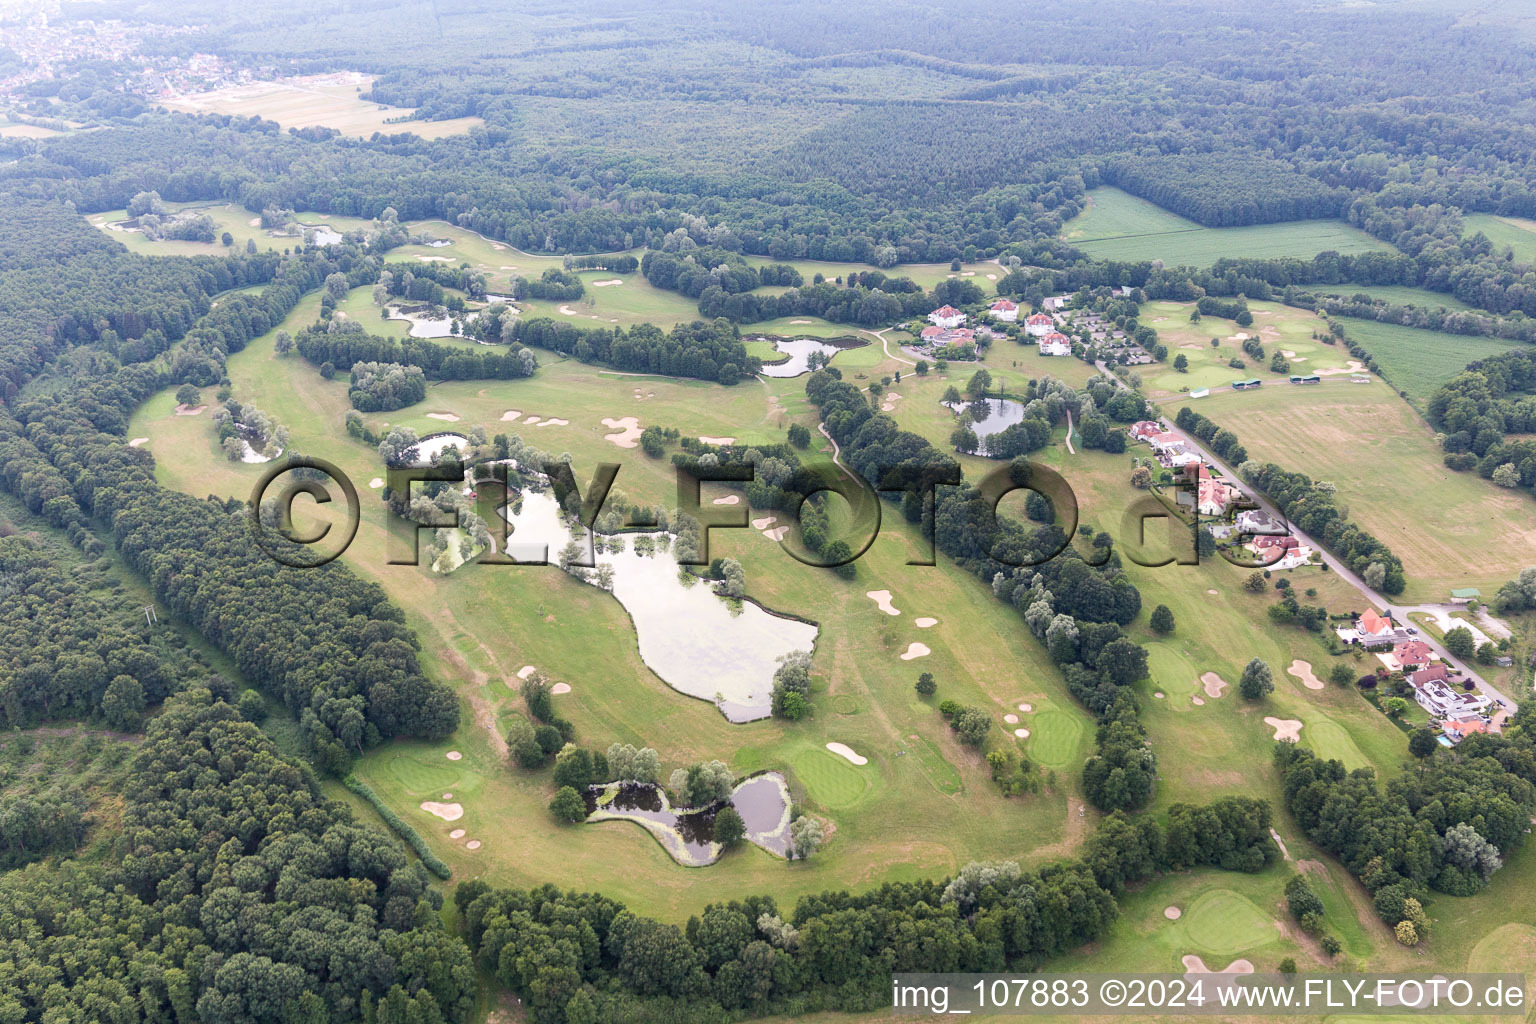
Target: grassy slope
[(1515, 233), (1120, 226)]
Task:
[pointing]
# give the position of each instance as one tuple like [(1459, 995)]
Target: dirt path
[(837, 454), (1070, 449), (885, 347)]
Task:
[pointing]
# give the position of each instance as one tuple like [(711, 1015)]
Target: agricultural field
[(1515, 233), (1120, 226), (1417, 361), (1294, 333), (926, 275), (1389, 473), (1397, 295), (328, 101)]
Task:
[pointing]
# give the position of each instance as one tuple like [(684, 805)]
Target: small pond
[(990, 415), (694, 640), (762, 801), (799, 351), (427, 324), (428, 448), (325, 236)]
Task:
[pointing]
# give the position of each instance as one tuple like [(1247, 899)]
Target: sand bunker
[(799, 321), (447, 796), (1158, 694), (843, 750), (448, 812), (1214, 684), (254, 222), (559, 688), (1172, 913), (446, 417), (1198, 700), (1288, 729), (605, 284), (925, 622), (435, 259), (883, 599), (729, 499), (1213, 592), (526, 671), (453, 755), (189, 410), (473, 844), (1303, 670), (628, 428), (764, 523), (377, 481), (1195, 965), (1355, 366), (568, 311), (915, 651), (555, 421), (510, 416), (137, 441), (531, 421), (1026, 708), (457, 833), (1022, 734), (1011, 719), (717, 440), (777, 533)]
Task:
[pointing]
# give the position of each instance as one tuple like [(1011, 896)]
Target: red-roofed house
[(946, 316), (1004, 310), (1413, 652), (1457, 731), (1372, 624), (1214, 497), (1056, 344), (1039, 325), (1144, 429)]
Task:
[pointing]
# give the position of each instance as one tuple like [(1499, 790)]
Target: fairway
[(829, 779), (1120, 226), (1418, 361), (1225, 923), (1055, 736)]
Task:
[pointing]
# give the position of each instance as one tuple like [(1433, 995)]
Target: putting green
[(829, 779), (1055, 737), (420, 777), (1171, 671), (1224, 923), (1331, 741)]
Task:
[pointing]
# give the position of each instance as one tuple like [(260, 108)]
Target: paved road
[(1345, 572)]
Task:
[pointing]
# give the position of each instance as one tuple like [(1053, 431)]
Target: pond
[(990, 415), (324, 236), (799, 351), (697, 642), (689, 836), (426, 324), (428, 448)]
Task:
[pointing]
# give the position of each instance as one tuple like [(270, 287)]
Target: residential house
[(1256, 521), (1370, 624), (1433, 690), (1212, 497), (940, 336), (946, 316), (1412, 654), (1056, 344), (1457, 731), (1038, 325), (1004, 310), (1144, 429)]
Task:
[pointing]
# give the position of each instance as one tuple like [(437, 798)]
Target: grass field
[(1515, 233), (1450, 529), (227, 217), (329, 101), (984, 275), (1419, 361), (1397, 295), (1119, 226)]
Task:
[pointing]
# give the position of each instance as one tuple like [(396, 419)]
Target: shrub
[(401, 827)]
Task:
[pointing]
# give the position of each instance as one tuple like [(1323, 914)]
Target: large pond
[(799, 351), (694, 640), (432, 324), (689, 836), (990, 415)]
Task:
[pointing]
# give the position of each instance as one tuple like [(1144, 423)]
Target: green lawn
[(1120, 226), (1397, 295), (1419, 361)]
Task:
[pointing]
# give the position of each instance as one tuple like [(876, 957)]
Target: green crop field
[(1419, 361), (1515, 233), (1120, 226)]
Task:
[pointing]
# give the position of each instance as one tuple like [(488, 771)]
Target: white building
[(1005, 311), (1056, 344), (946, 317), (1039, 325)]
